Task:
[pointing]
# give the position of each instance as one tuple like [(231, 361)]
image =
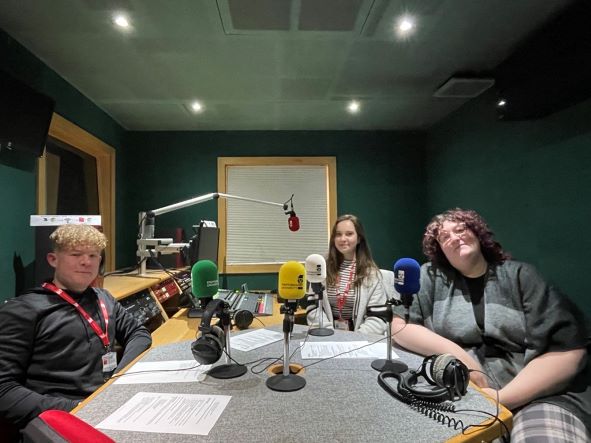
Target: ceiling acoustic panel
[(305, 88), (329, 15), (257, 15), (295, 64)]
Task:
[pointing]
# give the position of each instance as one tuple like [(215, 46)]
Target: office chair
[(55, 426)]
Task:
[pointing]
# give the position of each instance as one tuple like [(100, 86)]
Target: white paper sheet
[(254, 339), (347, 349), (168, 413), (173, 371)]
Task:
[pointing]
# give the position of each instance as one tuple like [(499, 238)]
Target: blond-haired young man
[(57, 342)]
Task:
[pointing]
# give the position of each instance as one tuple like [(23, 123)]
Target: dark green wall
[(379, 178), (531, 180), (18, 172)]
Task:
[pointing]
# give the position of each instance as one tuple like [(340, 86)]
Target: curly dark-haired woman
[(499, 316)]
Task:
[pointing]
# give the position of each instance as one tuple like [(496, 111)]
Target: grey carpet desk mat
[(341, 402)]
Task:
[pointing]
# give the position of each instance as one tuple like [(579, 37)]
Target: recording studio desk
[(341, 401)]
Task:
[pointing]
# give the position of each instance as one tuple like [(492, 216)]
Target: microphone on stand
[(291, 288), (204, 285), (316, 274), (293, 222), (406, 282)]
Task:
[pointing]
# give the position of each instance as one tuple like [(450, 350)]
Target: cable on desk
[(259, 361), (495, 415), (121, 374), (313, 363), (436, 412), (260, 321), (276, 359), (342, 353)]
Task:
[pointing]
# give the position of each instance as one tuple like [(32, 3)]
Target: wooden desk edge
[(124, 285), (107, 383), (481, 433)]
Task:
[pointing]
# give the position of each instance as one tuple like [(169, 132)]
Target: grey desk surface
[(341, 402)]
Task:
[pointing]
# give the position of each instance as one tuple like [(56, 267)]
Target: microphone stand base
[(285, 383), (227, 371), (383, 365), (321, 332)]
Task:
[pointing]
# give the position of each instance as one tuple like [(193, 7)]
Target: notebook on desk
[(258, 304)]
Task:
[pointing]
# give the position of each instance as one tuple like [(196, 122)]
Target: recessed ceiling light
[(405, 26), (501, 103), (353, 107), (121, 21), (196, 107)]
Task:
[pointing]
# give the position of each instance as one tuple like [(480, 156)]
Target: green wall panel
[(531, 180), (379, 178), (18, 173)]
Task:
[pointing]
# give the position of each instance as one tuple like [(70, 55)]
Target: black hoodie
[(50, 357)]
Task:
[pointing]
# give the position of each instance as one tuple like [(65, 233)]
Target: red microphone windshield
[(294, 223)]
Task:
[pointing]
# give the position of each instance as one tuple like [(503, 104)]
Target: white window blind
[(259, 234)]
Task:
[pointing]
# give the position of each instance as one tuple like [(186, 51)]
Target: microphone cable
[(497, 404), (342, 353), (151, 371), (276, 359)]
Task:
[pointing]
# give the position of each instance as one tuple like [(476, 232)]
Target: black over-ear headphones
[(449, 376), (242, 318), (211, 341)]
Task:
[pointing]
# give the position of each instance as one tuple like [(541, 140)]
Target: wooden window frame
[(225, 162), (70, 134)]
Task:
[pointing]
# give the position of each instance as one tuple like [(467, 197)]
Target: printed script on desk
[(167, 413), (254, 339), (344, 349)]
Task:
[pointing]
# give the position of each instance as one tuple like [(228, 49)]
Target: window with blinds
[(255, 237)]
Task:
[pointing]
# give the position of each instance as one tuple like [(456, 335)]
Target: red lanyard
[(104, 336), (342, 297)]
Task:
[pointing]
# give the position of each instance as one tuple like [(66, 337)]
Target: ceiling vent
[(457, 87)]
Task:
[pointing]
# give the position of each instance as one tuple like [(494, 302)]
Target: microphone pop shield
[(292, 281), (315, 268), (293, 222), (407, 273), (204, 279)]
